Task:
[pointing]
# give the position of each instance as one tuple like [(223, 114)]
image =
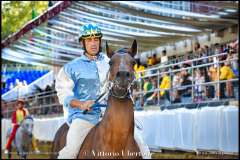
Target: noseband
[(127, 94)]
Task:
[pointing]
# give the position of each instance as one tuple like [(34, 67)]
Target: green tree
[(15, 14)]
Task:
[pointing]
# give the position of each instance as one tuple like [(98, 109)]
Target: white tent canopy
[(151, 23)]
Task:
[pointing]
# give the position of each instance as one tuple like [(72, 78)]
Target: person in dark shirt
[(185, 92)]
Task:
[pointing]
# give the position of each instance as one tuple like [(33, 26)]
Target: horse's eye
[(110, 63)]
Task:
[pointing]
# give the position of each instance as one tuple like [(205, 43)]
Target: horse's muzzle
[(121, 84), (120, 87)]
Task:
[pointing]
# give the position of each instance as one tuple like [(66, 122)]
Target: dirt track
[(165, 154)]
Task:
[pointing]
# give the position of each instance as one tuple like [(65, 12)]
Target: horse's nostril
[(118, 74), (123, 74)]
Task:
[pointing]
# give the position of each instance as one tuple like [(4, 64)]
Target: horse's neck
[(119, 117), (22, 130)]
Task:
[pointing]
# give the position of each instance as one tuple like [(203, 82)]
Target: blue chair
[(4, 91), (20, 79), (8, 80), (24, 74), (34, 74), (28, 81)]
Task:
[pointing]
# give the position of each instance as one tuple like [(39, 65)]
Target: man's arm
[(64, 88), (26, 111)]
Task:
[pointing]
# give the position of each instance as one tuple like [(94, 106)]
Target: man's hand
[(86, 105), (15, 124)]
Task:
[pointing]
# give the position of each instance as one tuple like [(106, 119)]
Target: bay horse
[(113, 136)]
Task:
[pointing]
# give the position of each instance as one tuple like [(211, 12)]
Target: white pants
[(78, 131)]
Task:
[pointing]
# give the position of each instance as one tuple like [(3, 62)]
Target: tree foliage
[(15, 14)]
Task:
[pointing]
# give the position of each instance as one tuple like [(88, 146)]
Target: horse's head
[(27, 125), (121, 69)]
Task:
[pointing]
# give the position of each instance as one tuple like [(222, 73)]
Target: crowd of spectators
[(173, 79)]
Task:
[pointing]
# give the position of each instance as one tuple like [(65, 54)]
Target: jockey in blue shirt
[(78, 84)]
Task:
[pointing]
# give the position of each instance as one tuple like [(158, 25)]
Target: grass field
[(165, 154)]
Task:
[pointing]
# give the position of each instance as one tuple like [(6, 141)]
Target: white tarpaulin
[(208, 128)]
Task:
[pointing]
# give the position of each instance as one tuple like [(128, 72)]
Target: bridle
[(127, 94)]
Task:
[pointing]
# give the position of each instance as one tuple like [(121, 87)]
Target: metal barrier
[(37, 104), (192, 67)]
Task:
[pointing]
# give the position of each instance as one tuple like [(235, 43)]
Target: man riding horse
[(17, 117), (78, 84)]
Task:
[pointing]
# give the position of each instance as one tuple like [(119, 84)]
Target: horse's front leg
[(24, 156), (9, 153), (21, 154), (21, 150)]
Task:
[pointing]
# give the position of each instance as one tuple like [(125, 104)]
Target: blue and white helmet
[(89, 30)]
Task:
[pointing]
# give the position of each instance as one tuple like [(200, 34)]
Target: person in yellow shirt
[(149, 61), (164, 86), (138, 68), (212, 73), (226, 73)]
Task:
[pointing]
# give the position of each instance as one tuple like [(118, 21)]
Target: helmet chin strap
[(92, 57)]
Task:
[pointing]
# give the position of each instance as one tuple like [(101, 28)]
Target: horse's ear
[(109, 51), (134, 48)]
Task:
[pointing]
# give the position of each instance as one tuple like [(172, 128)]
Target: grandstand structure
[(36, 52), (27, 76)]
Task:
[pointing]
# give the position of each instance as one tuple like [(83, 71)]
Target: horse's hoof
[(6, 151), (37, 151)]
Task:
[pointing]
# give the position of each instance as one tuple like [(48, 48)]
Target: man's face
[(92, 45)]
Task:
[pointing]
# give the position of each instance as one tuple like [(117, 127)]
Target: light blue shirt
[(82, 79)]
